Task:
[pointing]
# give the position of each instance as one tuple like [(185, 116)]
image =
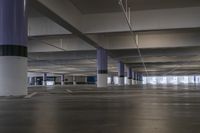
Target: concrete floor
[(84, 109)]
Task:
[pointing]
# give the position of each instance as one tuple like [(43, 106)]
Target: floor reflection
[(134, 109)]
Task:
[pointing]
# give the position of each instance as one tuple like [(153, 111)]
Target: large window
[(173, 80)]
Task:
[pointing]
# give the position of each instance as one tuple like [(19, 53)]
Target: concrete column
[(13, 48), (135, 77), (102, 68), (195, 81), (74, 80), (28, 81), (112, 80), (121, 73), (63, 79), (139, 78), (130, 76), (35, 81), (44, 79)]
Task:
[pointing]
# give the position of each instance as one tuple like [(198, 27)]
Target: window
[(173, 80)]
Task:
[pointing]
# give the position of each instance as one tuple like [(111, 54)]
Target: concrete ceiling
[(158, 61), (102, 6), (33, 13), (172, 52)]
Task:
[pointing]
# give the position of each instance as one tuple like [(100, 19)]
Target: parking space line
[(30, 95)]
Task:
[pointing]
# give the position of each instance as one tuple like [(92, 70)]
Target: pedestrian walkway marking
[(30, 95), (69, 91)]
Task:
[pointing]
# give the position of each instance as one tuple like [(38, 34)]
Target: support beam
[(102, 68), (13, 48), (182, 51), (143, 20), (65, 15)]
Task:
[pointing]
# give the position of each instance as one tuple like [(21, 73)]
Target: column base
[(74, 82), (139, 82), (102, 80), (129, 81), (121, 81), (134, 82), (13, 76), (44, 83)]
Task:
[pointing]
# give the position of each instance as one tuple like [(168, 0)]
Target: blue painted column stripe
[(102, 61), (13, 22), (121, 69)]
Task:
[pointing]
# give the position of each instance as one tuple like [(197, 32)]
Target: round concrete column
[(121, 73), (102, 68), (129, 74), (133, 81), (74, 80), (141, 78), (138, 78), (195, 80), (135, 77), (63, 79), (35, 81), (13, 48), (44, 79)]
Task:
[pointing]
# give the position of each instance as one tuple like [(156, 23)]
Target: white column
[(35, 81), (13, 82), (129, 81), (74, 80), (44, 79), (121, 81), (102, 80), (62, 79)]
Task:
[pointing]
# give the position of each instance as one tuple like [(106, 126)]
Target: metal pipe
[(133, 35)]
